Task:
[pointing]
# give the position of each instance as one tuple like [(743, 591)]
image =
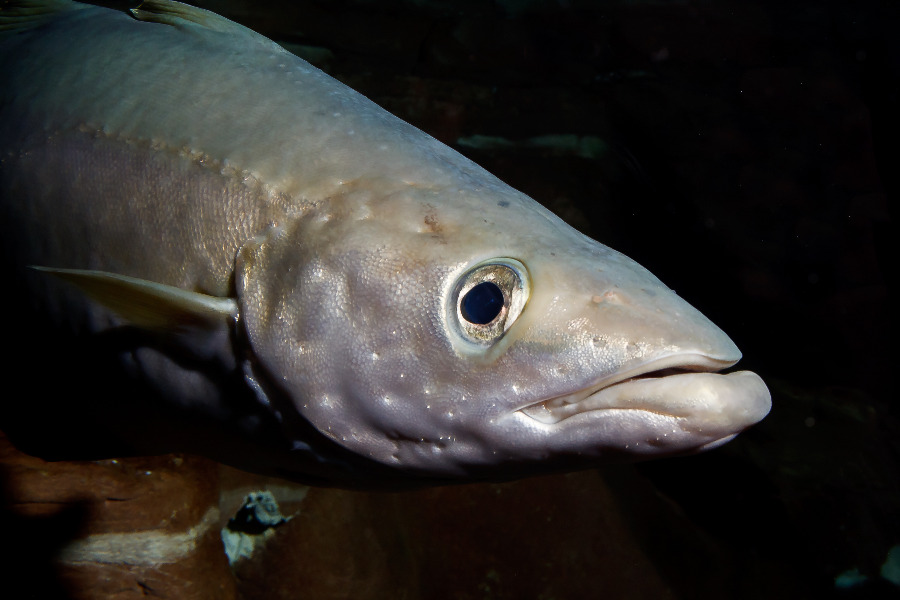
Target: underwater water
[(745, 153)]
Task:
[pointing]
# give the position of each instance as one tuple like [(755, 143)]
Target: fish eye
[(482, 304), (489, 297)]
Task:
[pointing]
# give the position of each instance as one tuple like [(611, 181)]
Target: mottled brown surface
[(567, 536), (342, 544), (48, 506), (561, 536)]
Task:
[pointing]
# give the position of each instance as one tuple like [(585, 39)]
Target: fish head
[(459, 337)]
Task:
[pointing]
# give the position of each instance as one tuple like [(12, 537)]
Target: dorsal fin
[(177, 14), (21, 15)]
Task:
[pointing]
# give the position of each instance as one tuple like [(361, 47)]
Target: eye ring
[(488, 298)]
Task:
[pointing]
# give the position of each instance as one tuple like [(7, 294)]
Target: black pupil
[(482, 303)]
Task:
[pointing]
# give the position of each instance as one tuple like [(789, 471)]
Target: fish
[(336, 295)]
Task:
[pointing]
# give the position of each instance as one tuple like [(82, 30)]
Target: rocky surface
[(119, 528), (129, 528)]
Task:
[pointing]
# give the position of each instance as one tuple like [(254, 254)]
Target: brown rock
[(561, 536), (114, 528)]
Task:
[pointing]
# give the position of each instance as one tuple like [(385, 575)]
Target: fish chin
[(678, 412)]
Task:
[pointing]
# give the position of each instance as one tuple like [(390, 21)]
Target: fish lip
[(548, 411)]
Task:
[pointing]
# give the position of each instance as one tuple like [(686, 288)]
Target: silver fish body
[(393, 309)]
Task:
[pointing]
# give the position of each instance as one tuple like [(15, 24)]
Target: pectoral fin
[(148, 304)]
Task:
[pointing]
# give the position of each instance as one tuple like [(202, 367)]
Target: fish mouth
[(687, 389)]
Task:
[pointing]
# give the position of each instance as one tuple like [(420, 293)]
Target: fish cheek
[(343, 332)]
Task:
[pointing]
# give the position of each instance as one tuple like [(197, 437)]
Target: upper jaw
[(641, 388)]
